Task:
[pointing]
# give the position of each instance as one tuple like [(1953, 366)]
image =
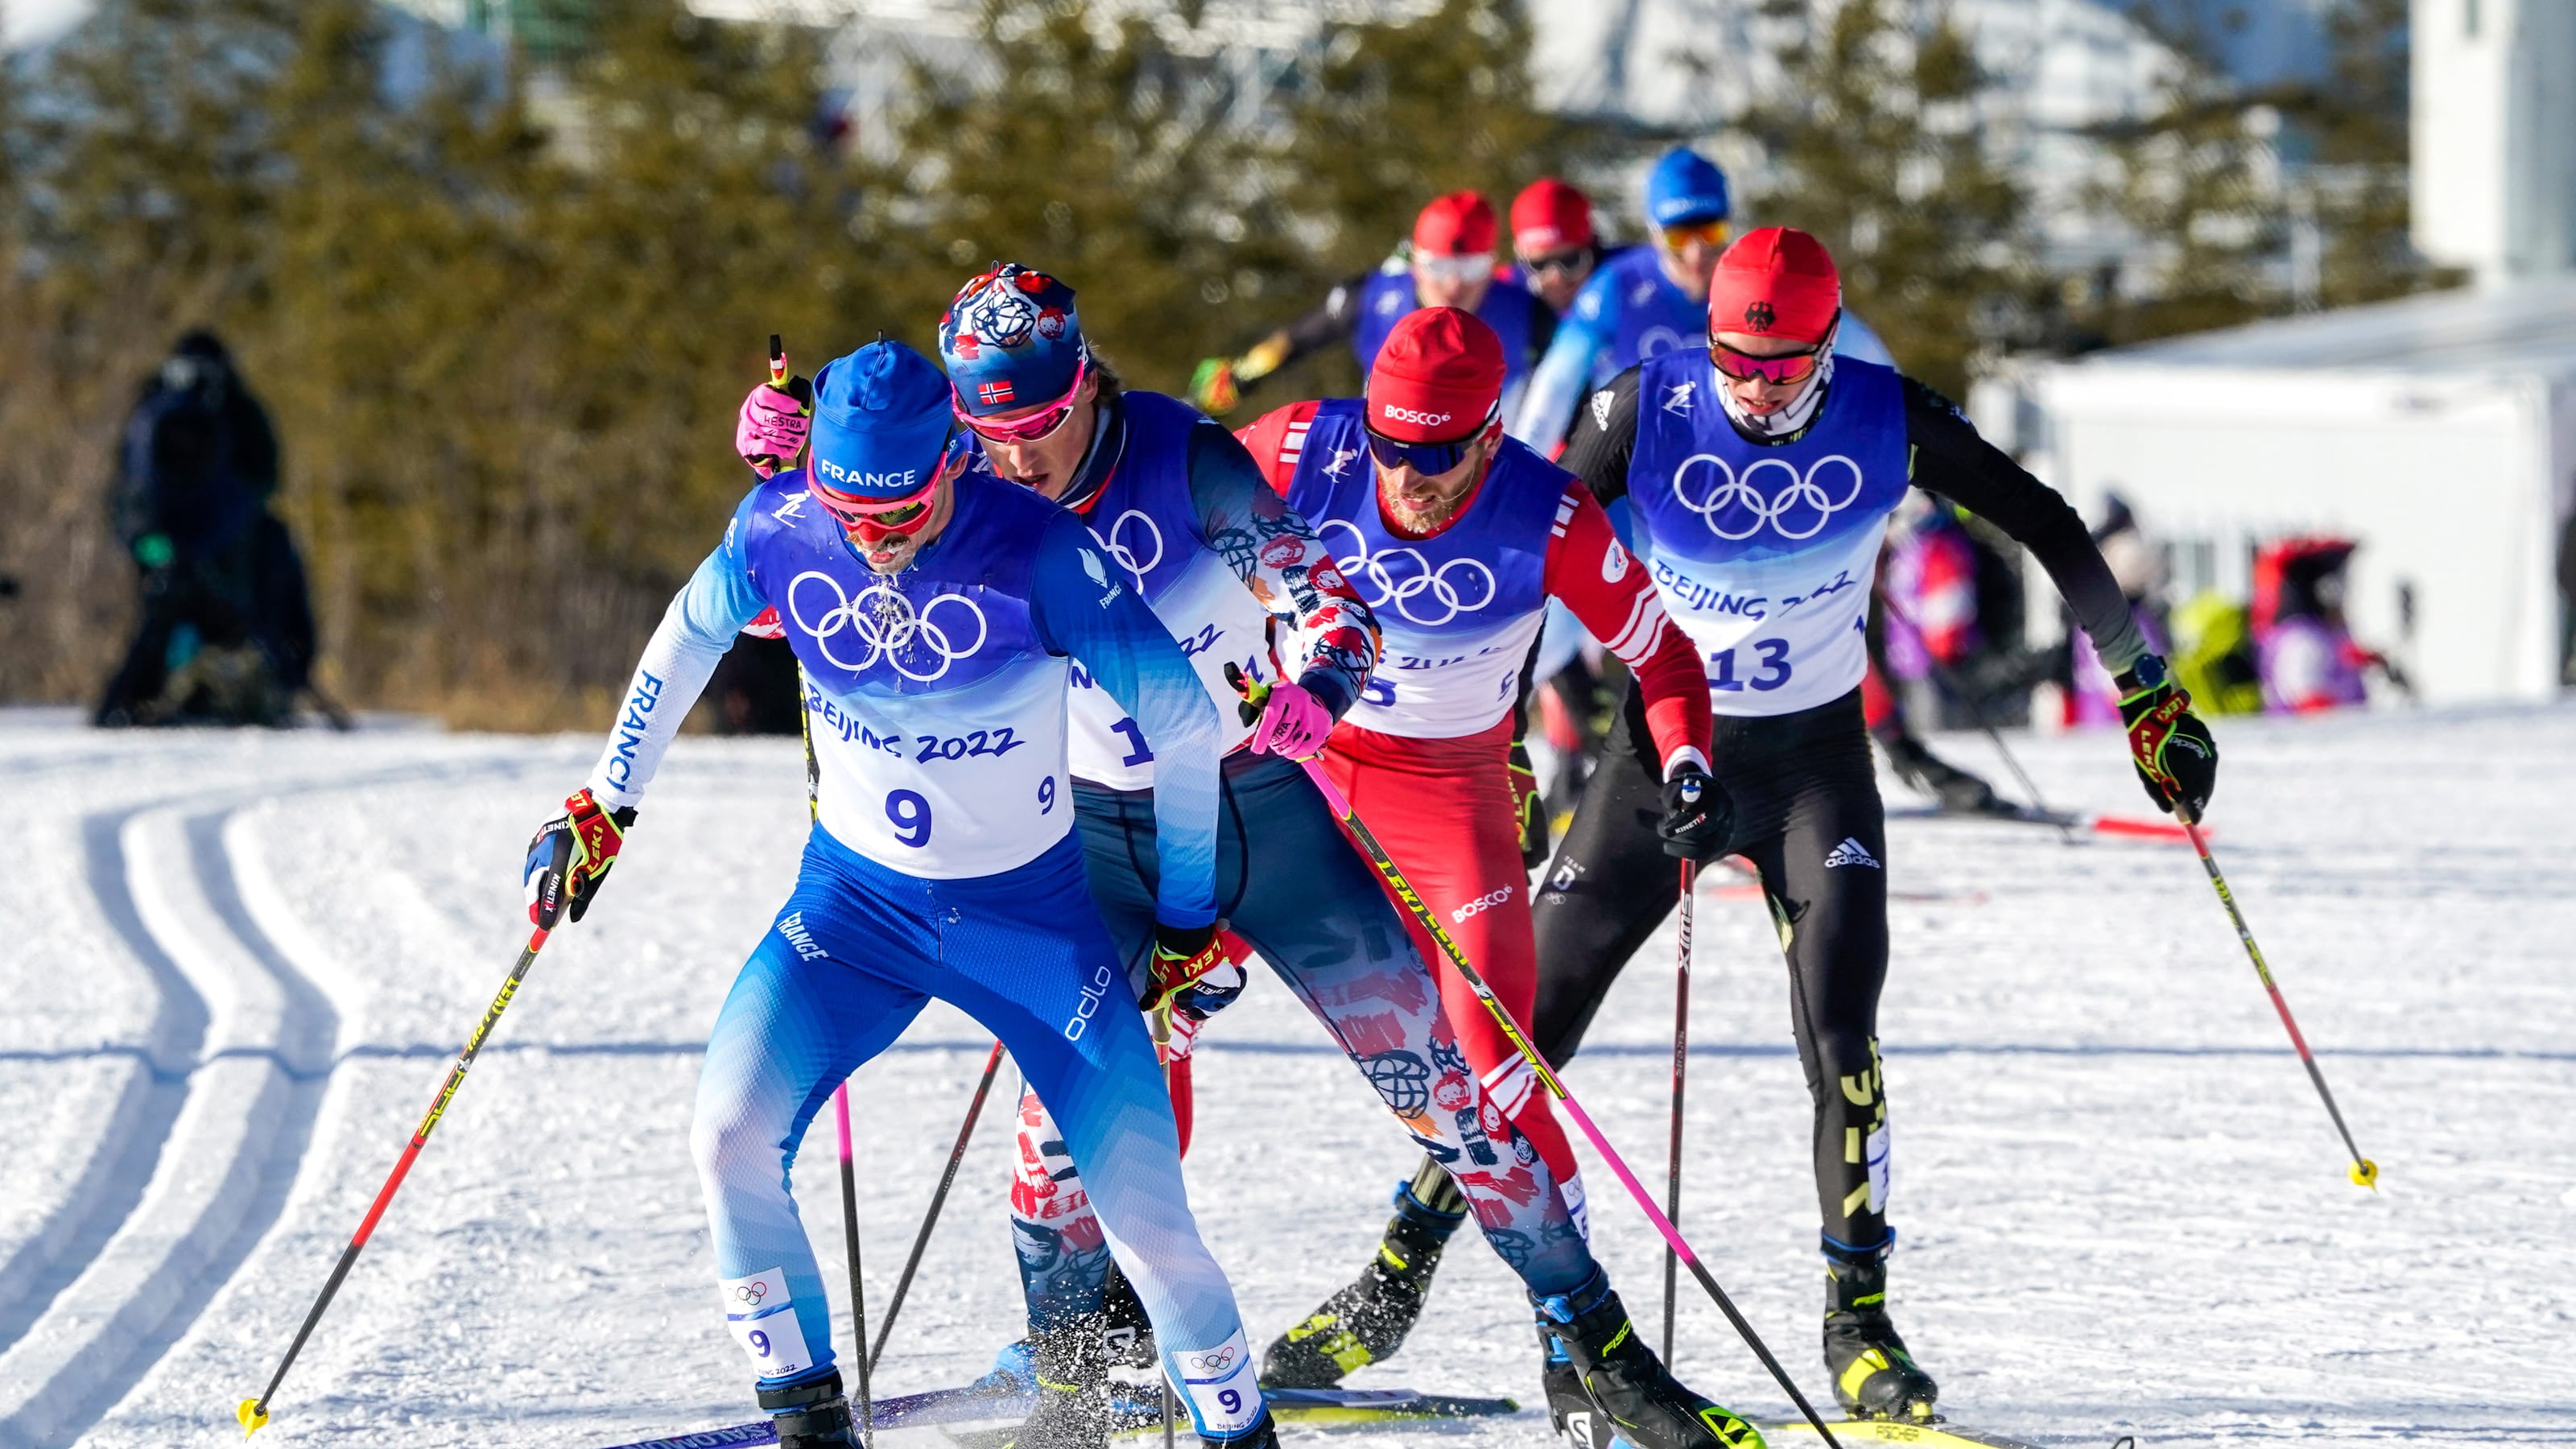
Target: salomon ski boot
[(811, 1415), (1874, 1377), (1634, 1395), (1569, 1409), (1071, 1367), (1367, 1320)]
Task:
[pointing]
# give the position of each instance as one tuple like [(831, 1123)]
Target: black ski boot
[(816, 1417), (1071, 1366), (1957, 791), (1263, 1434), (1129, 1333), (1569, 1409), (1367, 1320), (1874, 1377), (1635, 1396)]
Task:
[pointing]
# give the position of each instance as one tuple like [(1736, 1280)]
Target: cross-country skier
[(1457, 536), (1647, 300), (1760, 469), (1554, 248), (1189, 521), (939, 615), (1448, 262)]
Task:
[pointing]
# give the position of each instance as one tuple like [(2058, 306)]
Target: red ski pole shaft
[(1449, 947), (2364, 1173), (253, 1413)]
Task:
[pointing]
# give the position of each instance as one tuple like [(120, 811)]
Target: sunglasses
[(1427, 459), (1456, 269), (1706, 233), (1037, 426), (1567, 262), (1745, 367)]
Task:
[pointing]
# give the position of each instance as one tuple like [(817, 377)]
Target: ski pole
[(253, 1413), (1681, 1067), (930, 1219), (858, 1285), (2364, 1173), (1547, 1077)]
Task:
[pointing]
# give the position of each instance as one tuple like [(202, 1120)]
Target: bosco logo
[(887, 625), (1735, 508), (1414, 416)]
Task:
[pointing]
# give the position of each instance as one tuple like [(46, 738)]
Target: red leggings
[(1443, 809)]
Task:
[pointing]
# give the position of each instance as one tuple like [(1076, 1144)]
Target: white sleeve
[(701, 624)]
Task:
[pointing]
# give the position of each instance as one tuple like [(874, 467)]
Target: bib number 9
[(1770, 666), (911, 816)]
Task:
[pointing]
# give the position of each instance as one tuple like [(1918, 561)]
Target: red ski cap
[(1460, 224), (1439, 378), (1775, 282), (1549, 214)]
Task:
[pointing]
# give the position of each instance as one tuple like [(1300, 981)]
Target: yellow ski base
[(1892, 1431)]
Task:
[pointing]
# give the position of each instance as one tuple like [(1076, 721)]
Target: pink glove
[(1293, 723), (773, 426)]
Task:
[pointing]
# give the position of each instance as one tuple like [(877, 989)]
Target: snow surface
[(237, 966)]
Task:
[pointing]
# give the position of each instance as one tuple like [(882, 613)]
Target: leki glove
[(1182, 955), (2176, 759), (569, 857)]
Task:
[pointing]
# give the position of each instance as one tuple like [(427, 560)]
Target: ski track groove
[(207, 1145)]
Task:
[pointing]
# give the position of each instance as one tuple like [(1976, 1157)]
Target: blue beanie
[(1011, 340), (1685, 187), (880, 417)]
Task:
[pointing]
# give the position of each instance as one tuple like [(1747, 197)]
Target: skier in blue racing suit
[(939, 615)]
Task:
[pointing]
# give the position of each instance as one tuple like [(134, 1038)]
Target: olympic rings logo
[(886, 623), (1116, 543), (1656, 341), (1735, 508), (1479, 588)]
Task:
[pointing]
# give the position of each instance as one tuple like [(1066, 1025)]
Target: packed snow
[(238, 965)]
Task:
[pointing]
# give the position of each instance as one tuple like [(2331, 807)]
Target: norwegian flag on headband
[(996, 391)]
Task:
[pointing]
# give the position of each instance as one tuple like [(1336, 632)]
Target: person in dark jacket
[(226, 633)]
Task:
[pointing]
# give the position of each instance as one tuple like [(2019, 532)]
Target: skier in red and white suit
[(1458, 537)]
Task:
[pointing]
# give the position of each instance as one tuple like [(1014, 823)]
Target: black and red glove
[(2177, 760), (1189, 968), (569, 857)]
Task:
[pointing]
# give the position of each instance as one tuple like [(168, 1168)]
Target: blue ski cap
[(1685, 187), (1011, 340), (880, 418)]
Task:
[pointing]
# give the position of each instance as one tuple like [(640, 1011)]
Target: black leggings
[(1808, 818)]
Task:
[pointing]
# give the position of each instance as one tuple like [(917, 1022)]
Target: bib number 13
[(1769, 664)]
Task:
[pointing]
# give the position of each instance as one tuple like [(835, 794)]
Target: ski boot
[(1956, 791), (1264, 1434), (1071, 1367), (1569, 1409), (1129, 1333), (1367, 1320), (1634, 1395), (811, 1415), (1874, 1377)]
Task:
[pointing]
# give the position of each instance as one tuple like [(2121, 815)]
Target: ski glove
[(1699, 816), (1184, 957), (773, 427), (1287, 719), (1529, 807), (2176, 759), (569, 857)]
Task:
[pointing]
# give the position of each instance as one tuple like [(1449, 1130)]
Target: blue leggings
[(1289, 883), (851, 959)]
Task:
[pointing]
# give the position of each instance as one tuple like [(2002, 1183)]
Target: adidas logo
[(1850, 852)]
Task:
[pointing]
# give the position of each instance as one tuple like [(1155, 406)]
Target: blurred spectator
[(2309, 659), (2138, 566), (226, 629)]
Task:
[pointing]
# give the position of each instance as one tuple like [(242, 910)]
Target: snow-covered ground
[(236, 967)]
